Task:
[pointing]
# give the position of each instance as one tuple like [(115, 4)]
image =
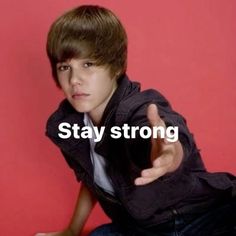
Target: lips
[(80, 95)]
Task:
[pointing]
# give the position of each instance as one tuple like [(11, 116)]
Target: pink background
[(186, 49)]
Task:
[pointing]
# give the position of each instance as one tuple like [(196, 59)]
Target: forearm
[(84, 205)]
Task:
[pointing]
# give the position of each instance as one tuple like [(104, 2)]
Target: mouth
[(80, 95)]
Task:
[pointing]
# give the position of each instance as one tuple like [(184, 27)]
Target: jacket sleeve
[(137, 116), (143, 201)]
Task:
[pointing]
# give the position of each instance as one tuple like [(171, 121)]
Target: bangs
[(68, 48)]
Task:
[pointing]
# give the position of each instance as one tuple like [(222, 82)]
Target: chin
[(81, 109)]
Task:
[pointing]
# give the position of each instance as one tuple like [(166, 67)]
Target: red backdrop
[(186, 49)]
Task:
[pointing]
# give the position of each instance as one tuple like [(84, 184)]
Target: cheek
[(105, 88), (63, 77), (64, 88), (63, 81)]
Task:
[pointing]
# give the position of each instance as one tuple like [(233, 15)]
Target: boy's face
[(87, 87)]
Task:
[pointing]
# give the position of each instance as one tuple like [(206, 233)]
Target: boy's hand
[(165, 156)]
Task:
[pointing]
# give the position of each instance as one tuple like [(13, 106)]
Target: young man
[(147, 186)]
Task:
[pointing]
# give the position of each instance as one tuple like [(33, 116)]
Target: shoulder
[(63, 109), (64, 113), (135, 106)]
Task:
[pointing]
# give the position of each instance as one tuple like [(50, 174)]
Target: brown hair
[(90, 32)]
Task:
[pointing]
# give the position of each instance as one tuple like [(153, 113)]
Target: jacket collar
[(125, 88)]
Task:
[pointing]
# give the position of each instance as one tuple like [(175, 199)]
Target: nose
[(75, 77)]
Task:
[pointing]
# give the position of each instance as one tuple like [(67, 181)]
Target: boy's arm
[(83, 208), (84, 205), (166, 157)]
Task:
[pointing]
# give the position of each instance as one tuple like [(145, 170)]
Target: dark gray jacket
[(189, 188)]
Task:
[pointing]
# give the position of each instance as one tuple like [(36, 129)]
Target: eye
[(88, 64), (63, 67)]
